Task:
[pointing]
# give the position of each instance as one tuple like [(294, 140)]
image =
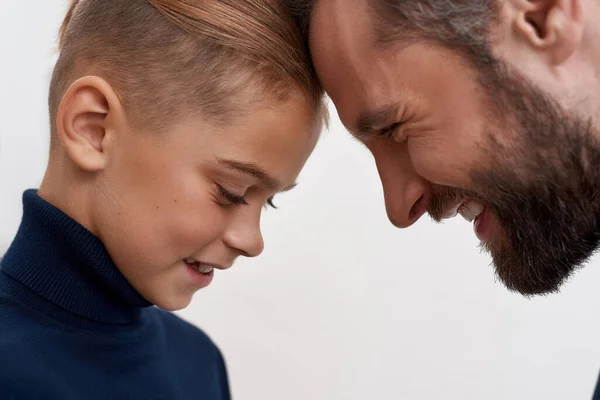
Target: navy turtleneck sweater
[(72, 327)]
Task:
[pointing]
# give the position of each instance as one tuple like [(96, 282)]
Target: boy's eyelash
[(239, 200), (230, 197)]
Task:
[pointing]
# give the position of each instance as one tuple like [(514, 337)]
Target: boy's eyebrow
[(255, 171)]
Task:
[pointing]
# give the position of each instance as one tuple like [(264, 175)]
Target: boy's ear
[(82, 122), (552, 28)]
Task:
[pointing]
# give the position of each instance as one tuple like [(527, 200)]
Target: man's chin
[(527, 279)]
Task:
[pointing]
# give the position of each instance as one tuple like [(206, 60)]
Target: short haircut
[(169, 57)]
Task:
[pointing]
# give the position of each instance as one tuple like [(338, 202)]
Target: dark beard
[(542, 182)]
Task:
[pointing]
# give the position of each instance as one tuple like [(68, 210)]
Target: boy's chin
[(173, 302)]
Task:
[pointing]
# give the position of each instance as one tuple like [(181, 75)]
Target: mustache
[(443, 197)]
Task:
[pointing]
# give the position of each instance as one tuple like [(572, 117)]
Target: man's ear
[(553, 28), (82, 122)]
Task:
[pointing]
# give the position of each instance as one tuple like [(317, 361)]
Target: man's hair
[(169, 57), (461, 25)]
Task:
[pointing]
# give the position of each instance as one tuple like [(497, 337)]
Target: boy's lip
[(214, 265)]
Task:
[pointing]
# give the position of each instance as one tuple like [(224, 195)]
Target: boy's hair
[(170, 57)]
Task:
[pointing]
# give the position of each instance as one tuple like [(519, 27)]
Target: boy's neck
[(69, 189)]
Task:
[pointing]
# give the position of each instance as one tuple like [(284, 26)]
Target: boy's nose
[(245, 236)]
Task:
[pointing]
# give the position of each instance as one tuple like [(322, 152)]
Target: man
[(484, 108), (475, 107)]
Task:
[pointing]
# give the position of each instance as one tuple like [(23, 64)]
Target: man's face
[(449, 139)]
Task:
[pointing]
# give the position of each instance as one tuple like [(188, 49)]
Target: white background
[(341, 305)]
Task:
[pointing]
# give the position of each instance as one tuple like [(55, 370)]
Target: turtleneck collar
[(64, 263)]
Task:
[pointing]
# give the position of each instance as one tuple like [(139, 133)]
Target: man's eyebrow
[(253, 170), (369, 121)]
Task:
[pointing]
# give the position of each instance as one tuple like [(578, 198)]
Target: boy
[(172, 124)]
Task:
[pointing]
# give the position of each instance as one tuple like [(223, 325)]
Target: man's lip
[(482, 226)]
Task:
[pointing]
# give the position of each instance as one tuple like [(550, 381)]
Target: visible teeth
[(200, 267), (470, 210), (204, 268)]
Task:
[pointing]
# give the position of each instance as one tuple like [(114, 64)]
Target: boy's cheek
[(182, 230), (161, 229), (189, 233)]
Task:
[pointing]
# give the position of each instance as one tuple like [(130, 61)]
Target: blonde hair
[(167, 57)]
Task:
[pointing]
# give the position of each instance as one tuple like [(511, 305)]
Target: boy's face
[(169, 207)]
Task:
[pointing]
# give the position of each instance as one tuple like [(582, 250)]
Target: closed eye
[(231, 198), (389, 131)]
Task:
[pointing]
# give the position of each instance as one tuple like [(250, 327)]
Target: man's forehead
[(339, 49), (344, 24)]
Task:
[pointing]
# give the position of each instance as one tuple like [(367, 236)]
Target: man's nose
[(407, 194)]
